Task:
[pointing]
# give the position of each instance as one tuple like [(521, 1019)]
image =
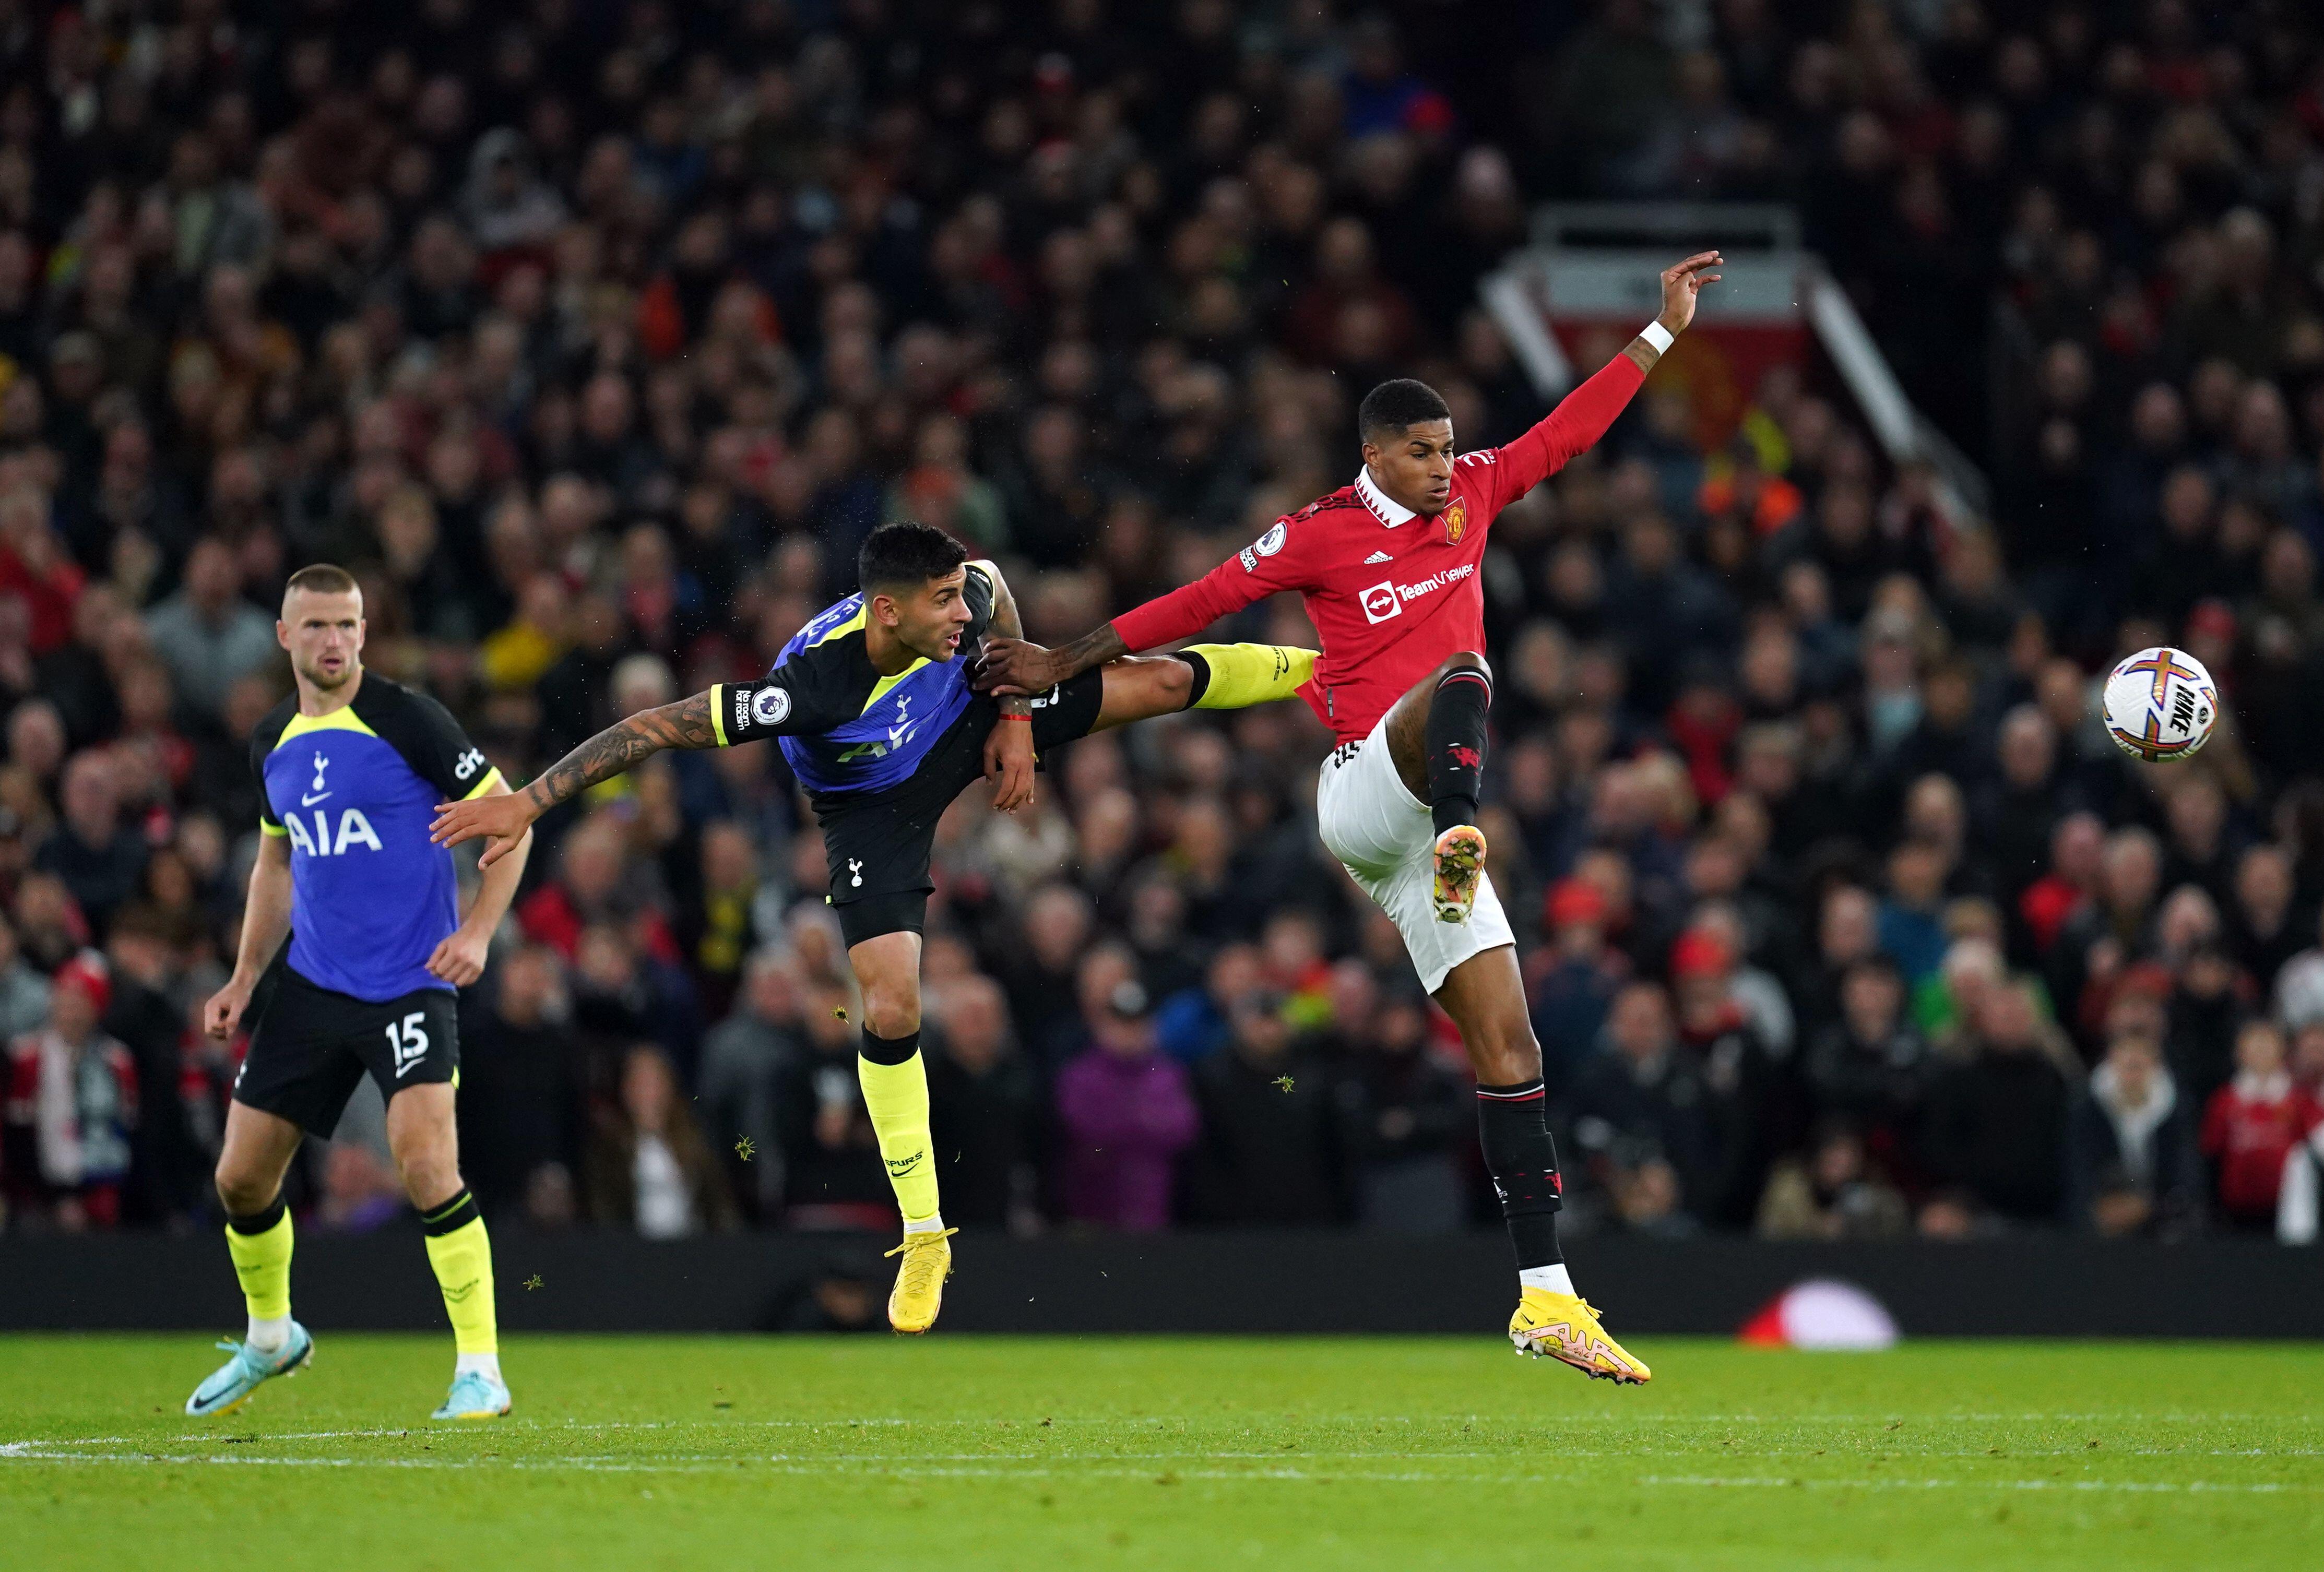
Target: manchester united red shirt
[(1391, 593)]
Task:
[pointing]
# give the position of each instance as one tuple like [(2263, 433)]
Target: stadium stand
[(596, 335)]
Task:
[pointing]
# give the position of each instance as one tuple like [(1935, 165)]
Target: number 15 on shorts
[(407, 1042)]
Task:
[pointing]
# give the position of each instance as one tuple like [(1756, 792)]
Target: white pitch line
[(979, 1467), (1226, 1476)]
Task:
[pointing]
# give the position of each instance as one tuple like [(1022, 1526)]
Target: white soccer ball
[(2161, 704)]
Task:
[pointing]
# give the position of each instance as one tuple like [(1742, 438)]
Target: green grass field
[(711, 1454)]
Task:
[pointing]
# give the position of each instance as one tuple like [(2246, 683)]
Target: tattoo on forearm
[(1095, 647), (684, 724)]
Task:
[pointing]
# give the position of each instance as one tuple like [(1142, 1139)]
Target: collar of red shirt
[(1385, 508)]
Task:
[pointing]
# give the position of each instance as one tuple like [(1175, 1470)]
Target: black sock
[(455, 1213), (258, 1222), (891, 1049), (1456, 745), (1201, 669), (1513, 1123)]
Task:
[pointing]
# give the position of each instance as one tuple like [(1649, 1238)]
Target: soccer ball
[(2161, 704)]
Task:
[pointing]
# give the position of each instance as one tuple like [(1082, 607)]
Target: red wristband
[(1027, 719)]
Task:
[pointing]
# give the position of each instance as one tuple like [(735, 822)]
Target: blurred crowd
[(594, 335)]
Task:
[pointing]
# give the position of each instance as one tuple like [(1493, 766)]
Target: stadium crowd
[(597, 333)]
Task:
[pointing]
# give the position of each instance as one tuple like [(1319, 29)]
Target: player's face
[(931, 619), (1415, 469), (325, 636)]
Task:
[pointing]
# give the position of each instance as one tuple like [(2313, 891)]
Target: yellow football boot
[(1563, 1327), (919, 1280), (1459, 869)]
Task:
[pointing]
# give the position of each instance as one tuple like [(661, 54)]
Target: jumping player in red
[(1388, 567)]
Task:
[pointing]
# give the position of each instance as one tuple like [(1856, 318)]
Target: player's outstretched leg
[(1485, 997), (257, 1151), (895, 1082), (421, 1133), (1200, 677)]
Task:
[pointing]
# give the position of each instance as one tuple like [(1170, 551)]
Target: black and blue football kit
[(882, 756), (355, 792)]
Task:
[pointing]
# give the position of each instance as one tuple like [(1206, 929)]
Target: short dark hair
[(905, 555), (322, 578), (1395, 407)]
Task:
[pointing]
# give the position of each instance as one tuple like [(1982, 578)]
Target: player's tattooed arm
[(1008, 751), (1012, 665), (503, 818), (623, 746)]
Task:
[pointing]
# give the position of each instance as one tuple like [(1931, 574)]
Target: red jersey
[(1391, 593), (2252, 1125)]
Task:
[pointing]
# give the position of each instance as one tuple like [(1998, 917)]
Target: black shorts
[(312, 1046), (879, 844)]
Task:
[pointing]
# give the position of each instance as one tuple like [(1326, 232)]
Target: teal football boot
[(474, 1395), (229, 1387)]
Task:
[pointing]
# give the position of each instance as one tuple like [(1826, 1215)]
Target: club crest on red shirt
[(1456, 519)]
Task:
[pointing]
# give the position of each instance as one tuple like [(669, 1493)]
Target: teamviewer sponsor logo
[(1381, 603)]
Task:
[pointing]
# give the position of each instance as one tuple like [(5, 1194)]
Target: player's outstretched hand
[(1681, 283), (503, 817), (1009, 763), (1014, 665), (223, 1014), (459, 959)]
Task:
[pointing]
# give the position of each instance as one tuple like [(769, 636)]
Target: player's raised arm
[(1584, 415), (1269, 564)]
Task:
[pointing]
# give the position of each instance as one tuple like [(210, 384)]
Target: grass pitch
[(709, 1454)]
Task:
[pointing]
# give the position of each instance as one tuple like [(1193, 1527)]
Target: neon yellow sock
[(1243, 675), (262, 1262), (462, 1255), (897, 1097)]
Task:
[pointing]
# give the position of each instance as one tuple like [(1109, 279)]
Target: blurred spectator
[(522, 1079), (1642, 1128), (1831, 1193), (1126, 1112), (1572, 980), (1870, 1066), (1268, 1151), (746, 1062), (984, 1110), (207, 633), (1405, 1121), (648, 1166), (99, 858), (70, 1109), (2253, 1123), (2131, 1163), (1993, 1124), (831, 1154)]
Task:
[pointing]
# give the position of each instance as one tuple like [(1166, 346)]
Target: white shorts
[(1386, 839)]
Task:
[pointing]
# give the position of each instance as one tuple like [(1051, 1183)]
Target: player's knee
[(1465, 660), (429, 1178), (1507, 1051), (891, 1009), (241, 1193), (1174, 682)]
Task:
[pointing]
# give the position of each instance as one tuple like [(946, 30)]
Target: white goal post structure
[(1593, 267)]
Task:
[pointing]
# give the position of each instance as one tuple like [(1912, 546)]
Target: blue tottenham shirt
[(844, 727), (354, 792)]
